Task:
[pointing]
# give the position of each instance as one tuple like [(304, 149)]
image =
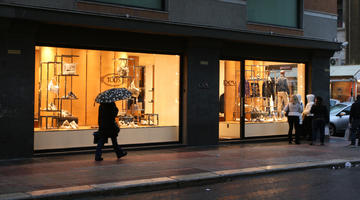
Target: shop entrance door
[(230, 101)]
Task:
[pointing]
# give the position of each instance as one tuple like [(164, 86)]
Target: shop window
[(67, 82), (274, 12), (268, 87), (149, 4)]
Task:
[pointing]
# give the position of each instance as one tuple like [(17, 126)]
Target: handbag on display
[(69, 68), (135, 92), (53, 87), (123, 70)]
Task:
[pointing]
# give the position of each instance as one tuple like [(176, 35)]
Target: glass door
[(230, 101)]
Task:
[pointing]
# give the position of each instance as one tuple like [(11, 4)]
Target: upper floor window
[(340, 15), (148, 4), (274, 12)]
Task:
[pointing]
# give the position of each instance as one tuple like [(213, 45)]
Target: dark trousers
[(101, 143), (293, 121), (355, 126), (308, 127), (318, 125)]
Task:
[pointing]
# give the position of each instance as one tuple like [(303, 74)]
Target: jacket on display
[(255, 90), (282, 85), (106, 119), (247, 88), (268, 88)]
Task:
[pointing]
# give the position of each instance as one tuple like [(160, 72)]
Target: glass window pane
[(276, 12), (68, 81), (151, 4), (230, 100), (268, 86)]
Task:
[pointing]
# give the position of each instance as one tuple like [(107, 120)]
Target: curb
[(143, 185)]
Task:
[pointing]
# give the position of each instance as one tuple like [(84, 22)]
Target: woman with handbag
[(293, 110), (108, 129)]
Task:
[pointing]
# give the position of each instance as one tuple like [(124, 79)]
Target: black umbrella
[(112, 95)]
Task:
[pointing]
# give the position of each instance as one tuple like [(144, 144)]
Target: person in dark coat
[(354, 120), (320, 118), (108, 129)]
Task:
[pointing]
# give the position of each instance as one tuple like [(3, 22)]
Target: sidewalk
[(72, 175)]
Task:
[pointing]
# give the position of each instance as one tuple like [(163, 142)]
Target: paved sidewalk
[(71, 175)]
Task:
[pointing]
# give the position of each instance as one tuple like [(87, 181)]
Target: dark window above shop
[(340, 15), (148, 4), (274, 12)]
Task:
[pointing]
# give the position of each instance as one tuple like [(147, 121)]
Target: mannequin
[(282, 88)]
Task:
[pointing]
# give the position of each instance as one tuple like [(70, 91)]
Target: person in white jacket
[(308, 117), (293, 110)]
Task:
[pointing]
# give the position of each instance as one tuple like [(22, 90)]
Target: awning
[(349, 71)]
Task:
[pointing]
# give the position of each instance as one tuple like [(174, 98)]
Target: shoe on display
[(65, 113), (66, 125), (52, 106), (71, 95), (74, 125)]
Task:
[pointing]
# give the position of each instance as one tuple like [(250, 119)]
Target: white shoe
[(66, 125), (65, 113), (74, 125), (52, 106)]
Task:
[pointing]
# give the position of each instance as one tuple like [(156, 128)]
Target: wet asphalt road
[(317, 184)]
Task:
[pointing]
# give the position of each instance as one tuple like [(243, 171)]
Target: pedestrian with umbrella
[(108, 127)]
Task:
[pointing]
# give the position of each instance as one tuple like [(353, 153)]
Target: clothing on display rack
[(247, 88), (255, 90), (268, 88)]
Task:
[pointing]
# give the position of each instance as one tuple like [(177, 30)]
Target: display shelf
[(53, 66), (67, 74)]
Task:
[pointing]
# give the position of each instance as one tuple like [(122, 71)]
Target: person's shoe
[(122, 154), (99, 159), (311, 143), (290, 142)]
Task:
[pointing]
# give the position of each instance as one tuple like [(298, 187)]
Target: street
[(322, 183)]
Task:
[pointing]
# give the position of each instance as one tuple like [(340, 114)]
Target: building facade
[(200, 71)]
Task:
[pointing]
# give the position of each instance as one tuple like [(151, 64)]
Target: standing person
[(320, 118), (283, 92), (108, 129), (308, 117), (293, 110), (354, 120)]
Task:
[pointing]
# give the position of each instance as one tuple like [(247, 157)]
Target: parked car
[(333, 102), (339, 118)]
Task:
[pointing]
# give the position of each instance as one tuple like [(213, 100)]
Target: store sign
[(203, 85), (112, 79), (229, 83)]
